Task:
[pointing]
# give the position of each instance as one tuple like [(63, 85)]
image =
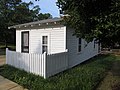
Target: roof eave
[(39, 23)]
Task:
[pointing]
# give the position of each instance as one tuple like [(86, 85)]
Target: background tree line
[(91, 19), (13, 12)]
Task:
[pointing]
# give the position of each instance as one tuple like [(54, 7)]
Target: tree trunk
[(6, 44)]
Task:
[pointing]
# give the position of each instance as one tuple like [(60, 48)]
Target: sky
[(47, 6)]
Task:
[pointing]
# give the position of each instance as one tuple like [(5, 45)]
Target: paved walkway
[(6, 84)]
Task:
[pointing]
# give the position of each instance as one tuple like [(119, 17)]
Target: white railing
[(39, 64)]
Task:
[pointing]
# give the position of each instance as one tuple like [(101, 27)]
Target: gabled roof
[(46, 21)]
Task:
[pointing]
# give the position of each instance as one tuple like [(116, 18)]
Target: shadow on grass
[(116, 68)]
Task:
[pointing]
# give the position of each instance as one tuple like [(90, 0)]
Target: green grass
[(85, 76)]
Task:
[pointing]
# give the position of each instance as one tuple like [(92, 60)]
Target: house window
[(79, 45), (44, 44), (94, 43), (25, 42)]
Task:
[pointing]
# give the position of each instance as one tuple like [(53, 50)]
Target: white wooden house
[(54, 38)]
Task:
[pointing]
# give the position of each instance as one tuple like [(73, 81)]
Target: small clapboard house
[(53, 37)]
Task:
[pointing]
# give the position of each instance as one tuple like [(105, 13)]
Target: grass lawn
[(85, 76)]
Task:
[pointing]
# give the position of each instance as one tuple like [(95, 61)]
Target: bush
[(85, 76)]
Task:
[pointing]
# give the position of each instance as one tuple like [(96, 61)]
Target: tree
[(93, 19), (44, 16), (14, 12)]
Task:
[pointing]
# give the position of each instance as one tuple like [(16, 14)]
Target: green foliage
[(85, 76), (13, 12), (44, 16), (93, 19)]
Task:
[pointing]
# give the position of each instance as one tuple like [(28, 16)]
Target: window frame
[(22, 42), (79, 49), (44, 45), (94, 44)]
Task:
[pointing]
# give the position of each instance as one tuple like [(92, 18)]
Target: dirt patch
[(2, 60), (112, 80), (116, 86)]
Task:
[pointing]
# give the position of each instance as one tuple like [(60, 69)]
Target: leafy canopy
[(93, 19), (14, 12)]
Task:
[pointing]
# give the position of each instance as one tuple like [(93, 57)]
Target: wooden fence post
[(6, 55), (45, 65)]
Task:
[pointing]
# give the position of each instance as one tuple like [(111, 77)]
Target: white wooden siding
[(57, 42), (18, 41), (74, 56)]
